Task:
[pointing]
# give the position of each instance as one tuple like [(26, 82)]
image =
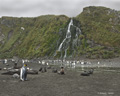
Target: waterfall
[(68, 35), (59, 49), (70, 39), (65, 53)]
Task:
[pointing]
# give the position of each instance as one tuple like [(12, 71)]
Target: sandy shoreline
[(104, 82)]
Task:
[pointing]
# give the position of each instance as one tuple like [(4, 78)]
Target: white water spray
[(64, 45), (68, 35)]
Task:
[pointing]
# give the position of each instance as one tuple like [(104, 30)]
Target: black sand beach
[(103, 82)]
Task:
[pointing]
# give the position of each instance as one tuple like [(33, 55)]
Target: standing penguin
[(23, 73)]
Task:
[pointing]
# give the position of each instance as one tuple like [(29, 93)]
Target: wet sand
[(103, 82)]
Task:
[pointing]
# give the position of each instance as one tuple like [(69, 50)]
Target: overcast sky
[(34, 8)]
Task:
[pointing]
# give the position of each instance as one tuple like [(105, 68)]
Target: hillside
[(94, 33), (101, 26), (30, 37)]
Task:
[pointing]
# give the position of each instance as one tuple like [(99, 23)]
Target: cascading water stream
[(64, 45), (68, 35)]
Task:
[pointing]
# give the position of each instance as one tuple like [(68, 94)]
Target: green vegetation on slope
[(41, 36), (101, 25), (31, 37)]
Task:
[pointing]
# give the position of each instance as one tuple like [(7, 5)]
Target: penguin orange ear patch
[(25, 64)]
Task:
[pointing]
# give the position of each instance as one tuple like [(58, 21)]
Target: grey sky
[(33, 8)]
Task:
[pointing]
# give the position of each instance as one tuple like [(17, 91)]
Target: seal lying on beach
[(13, 71), (54, 70), (40, 69), (16, 75), (43, 69), (85, 73), (91, 71)]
